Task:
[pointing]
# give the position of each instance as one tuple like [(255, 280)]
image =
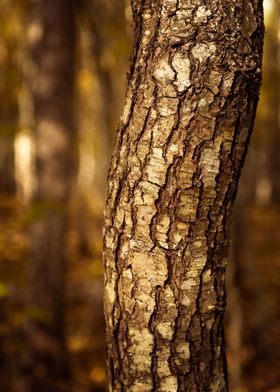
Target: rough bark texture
[(51, 37), (189, 111)]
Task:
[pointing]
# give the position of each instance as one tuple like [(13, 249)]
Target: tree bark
[(8, 116), (275, 159), (52, 45), (7, 162), (183, 136)]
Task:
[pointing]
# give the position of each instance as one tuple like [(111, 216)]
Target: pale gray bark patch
[(190, 105)]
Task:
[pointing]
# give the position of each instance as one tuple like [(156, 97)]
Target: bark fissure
[(187, 119)]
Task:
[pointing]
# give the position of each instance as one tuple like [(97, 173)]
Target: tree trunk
[(189, 111), (8, 116), (7, 163), (52, 38), (275, 158), (101, 18)]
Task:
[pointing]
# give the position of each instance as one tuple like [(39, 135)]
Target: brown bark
[(52, 38), (189, 111), (103, 73), (8, 126), (275, 158), (105, 21), (8, 119), (7, 163)]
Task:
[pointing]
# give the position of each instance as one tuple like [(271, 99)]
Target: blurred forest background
[(63, 66)]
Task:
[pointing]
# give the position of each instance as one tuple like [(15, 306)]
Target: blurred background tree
[(51, 37), (9, 86), (52, 196), (253, 274)]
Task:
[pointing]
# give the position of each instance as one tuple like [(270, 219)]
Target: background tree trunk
[(52, 39), (9, 84), (9, 114), (104, 22), (189, 111), (275, 158)]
